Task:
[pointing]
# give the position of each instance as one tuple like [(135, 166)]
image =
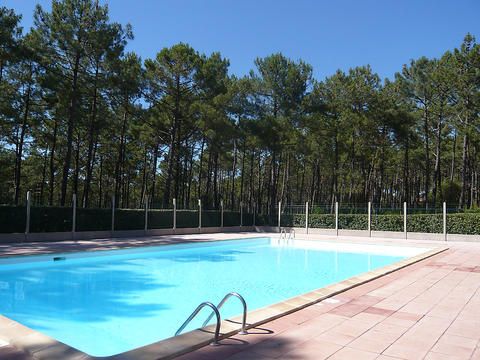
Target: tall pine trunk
[(18, 155), (52, 163), (71, 120), (91, 136)]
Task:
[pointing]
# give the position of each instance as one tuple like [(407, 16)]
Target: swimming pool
[(108, 302)]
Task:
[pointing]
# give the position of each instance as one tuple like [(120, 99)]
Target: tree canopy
[(79, 115)]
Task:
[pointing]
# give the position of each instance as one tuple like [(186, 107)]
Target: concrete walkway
[(429, 310)]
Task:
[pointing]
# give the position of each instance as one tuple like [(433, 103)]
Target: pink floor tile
[(373, 340), (405, 352), (367, 300), (348, 310), (312, 349), (349, 354), (455, 346), (11, 353), (476, 354), (378, 311), (437, 356), (465, 328), (390, 328), (335, 338)]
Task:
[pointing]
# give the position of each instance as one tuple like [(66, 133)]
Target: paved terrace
[(428, 310)]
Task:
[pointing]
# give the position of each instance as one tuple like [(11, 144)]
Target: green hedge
[(211, 218), (387, 222), (129, 219), (247, 219), (468, 224), (54, 218), (92, 219), (427, 223), (50, 219), (231, 218), (187, 218), (160, 219), (12, 219), (266, 220)]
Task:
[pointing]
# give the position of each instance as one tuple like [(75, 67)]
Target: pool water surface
[(107, 302)]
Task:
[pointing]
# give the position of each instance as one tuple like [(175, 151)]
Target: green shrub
[(129, 219), (211, 218), (387, 222), (231, 218), (12, 219), (353, 221), (427, 223), (319, 221), (92, 219), (247, 219), (468, 224), (160, 219), (187, 218), (50, 219), (266, 220)]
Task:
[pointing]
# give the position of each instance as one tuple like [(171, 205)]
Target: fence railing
[(370, 217), (34, 219)]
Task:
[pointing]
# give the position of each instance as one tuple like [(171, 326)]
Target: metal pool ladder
[(215, 309), (292, 231), (243, 331), (193, 314), (283, 236)]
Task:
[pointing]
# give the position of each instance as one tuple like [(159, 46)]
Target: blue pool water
[(119, 300)]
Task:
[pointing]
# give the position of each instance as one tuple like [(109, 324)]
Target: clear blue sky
[(327, 34)]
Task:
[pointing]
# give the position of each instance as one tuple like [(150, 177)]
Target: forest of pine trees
[(80, 115)]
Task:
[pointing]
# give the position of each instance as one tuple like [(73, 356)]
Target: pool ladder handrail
[(195, 312), (283, 235), (292, 231), (243, 330)]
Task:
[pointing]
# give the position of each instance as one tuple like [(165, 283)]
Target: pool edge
[(42, 347)]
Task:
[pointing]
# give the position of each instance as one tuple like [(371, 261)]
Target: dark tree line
[(80, 115)]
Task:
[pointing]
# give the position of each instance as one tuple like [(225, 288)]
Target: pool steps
[(243, 330), (283, 240), (195, 312)]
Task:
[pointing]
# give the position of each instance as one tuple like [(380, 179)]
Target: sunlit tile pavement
[(428, 310)]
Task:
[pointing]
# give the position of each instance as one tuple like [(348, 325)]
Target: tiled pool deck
[(428, 310)]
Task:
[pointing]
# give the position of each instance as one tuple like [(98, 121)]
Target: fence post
[(306, 217), (369, 219), (279, 214), (336, 217), (174, 214), (74, 212), (241, 213), (113, 213), (221, 213), (405, 218), (146, 212), (199, 214), (27, 222), (445, 220)]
